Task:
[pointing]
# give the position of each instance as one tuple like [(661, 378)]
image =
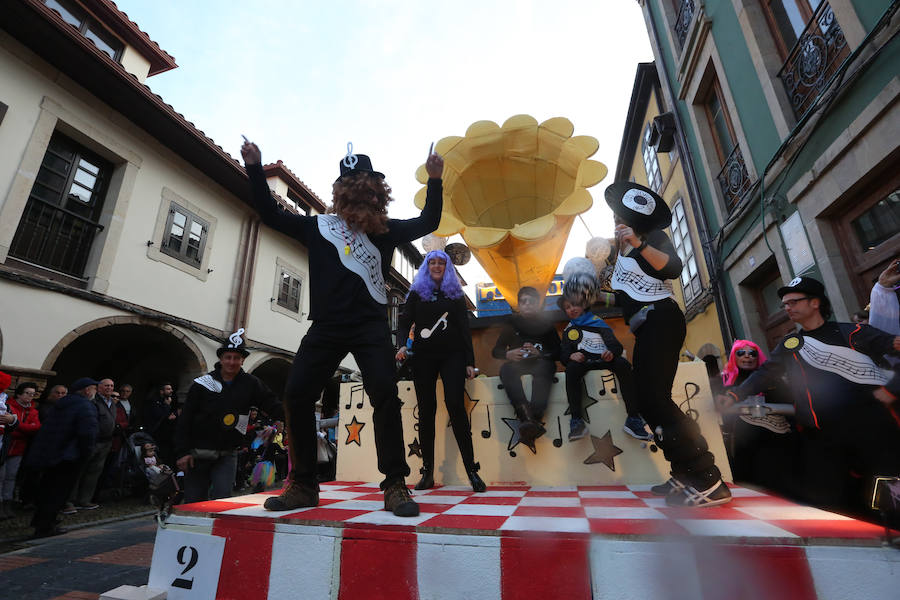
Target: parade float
[(572, 520)]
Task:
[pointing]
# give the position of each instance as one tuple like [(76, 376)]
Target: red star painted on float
[(354, 427)]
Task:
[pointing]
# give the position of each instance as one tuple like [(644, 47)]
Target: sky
[(301, 79)]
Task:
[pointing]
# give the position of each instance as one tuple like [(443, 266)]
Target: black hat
[(803, 285), (83, 382), (235, 343), (356, 163), (638, 207)]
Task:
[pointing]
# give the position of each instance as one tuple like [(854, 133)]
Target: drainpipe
[(246, 270), (721, 301)]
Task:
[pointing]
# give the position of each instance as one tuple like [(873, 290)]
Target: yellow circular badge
[(574, 335), (228, 420), (791, 343)]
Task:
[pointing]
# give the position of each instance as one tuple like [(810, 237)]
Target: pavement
[(81, 564)]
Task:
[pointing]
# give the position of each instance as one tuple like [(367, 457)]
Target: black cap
[(83, 382), (803, 285)]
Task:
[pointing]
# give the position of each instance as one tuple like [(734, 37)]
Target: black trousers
[(656, 350), (621, 368), (56, 484), (319, 356), (452, 370), (541, 369)]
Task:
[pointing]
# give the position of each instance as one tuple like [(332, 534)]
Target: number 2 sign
[(186, 564)]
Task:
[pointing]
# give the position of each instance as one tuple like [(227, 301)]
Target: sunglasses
[(746, 352)]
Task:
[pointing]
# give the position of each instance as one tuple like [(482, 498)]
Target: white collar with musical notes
[(362, 258), (848, 363), (630, 278)]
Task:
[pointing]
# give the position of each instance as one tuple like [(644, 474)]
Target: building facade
[(788, 111), (127, 248)]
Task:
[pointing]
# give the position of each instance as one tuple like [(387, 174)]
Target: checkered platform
[(631, 512)]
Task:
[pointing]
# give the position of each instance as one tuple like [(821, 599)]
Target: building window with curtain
[(289, 290), (681, 239), (651, 162), (185, 235)]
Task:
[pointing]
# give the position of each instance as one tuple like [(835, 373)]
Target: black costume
[(541, 333), (348, 308), (659, 328), (832, 371), (446, 351)]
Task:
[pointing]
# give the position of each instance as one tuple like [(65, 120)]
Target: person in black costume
[(646, 261), (442, 346), (350, 253), (845, 401), (530, 344)]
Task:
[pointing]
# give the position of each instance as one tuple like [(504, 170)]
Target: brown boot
[(398, 501), (294, 495)]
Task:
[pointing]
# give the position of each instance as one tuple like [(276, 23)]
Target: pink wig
[(731, 369)]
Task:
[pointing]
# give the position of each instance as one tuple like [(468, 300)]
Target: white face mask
[(639, 202)]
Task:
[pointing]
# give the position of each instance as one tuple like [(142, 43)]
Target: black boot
[(529, 428), (478, 484), (427, 481)]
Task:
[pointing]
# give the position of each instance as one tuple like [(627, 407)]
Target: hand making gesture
[(434, 164), (250, 152)]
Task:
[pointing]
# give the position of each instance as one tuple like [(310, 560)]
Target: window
[(301, 206), (879, 223), (681, 238), (62, 215), (788, 19), (74, 15), (394, 303), (289, 291), (651, 163), (185, 235), (719, 122)]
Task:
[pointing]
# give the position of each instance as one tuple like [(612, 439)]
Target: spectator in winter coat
[(19, 438)]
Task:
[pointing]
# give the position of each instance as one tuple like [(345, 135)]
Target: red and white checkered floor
[(630, 511)]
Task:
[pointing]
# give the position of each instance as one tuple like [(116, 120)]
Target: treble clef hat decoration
[(637, 206), (352, 164), (235, 343)]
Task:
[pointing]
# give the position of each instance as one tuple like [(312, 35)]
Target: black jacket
[(209, 418), (67, 434), (444, 338), (535, 329), (106, 420), (573, 335), (672, 269)]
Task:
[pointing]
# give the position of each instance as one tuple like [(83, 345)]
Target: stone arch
[(274, 371), (129, 349)]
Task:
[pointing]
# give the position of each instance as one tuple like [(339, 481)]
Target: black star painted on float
[(414, 448), (604, 451), (470, 407), (515, 439), (584, 408)]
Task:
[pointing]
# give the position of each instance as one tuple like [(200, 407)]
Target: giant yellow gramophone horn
[(512, 192)]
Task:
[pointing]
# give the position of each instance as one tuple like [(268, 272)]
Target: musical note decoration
[(486, 433), (604, 451), (442, 321), (354, 428), (515, 439), (414, 448), (351, 159), (688, 396), (235, 340), (608, 377), (359, 390)]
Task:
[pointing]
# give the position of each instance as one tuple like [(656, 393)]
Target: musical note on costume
[(629, 278), (845, 362), (557, 442), (426, 333), (486, 433), (235, 338), (689, 395), (351, 159)]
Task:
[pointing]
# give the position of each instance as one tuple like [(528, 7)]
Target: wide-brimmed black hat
[(235, 343), (352, 164), (638, 207), (803, 285)]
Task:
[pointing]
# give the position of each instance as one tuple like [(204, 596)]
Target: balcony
[(683, 21), (54, 238), (815, 57), (733, 178)]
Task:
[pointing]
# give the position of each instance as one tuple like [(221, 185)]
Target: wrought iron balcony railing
[(733, 178), (814, 58), (683, 21), (54, 237)]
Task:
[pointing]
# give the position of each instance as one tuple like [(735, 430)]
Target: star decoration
[(414, 448), (604, 451), (516, 439), (470, 406), (354, 427), (584, 408)]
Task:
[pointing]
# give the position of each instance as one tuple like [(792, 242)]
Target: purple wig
[(423, 284)]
